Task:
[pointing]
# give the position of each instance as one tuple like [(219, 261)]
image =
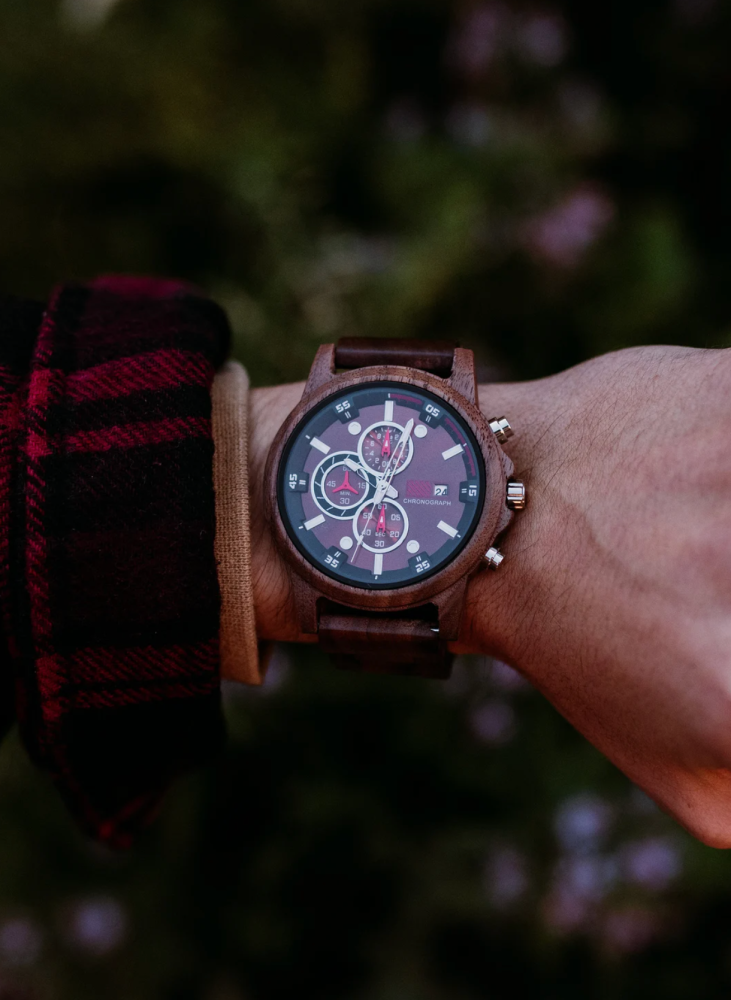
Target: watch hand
[(385, 482), (392, 467), (386, 449), (381, 526), (391, 492), (345, 485), (362, 534)]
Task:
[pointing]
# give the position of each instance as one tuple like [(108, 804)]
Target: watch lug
[(508, 464), (323, 368), (506, 517), (450, 604), (463, 373)]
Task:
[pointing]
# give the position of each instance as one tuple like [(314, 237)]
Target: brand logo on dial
[(343, 492)]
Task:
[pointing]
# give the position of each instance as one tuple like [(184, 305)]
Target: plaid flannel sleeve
[(108, 588)]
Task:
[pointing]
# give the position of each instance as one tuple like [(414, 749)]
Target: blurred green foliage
[(542, 182)]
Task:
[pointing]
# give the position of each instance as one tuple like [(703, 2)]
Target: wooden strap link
[(435, 356), (384, 645)]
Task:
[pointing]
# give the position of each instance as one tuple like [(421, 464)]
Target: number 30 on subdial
[(381, 527), (337, 489)]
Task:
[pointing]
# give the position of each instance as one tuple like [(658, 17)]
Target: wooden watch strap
[(384, 644), (435, 356), (389, 643)]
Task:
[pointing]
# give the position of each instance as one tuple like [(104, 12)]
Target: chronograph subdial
[(340, 484), (381, 527), (378, 443)]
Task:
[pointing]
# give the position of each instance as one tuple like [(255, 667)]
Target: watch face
[(381, 485)]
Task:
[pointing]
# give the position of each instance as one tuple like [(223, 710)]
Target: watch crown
[(516, 494), (501, 429), (493, 557)]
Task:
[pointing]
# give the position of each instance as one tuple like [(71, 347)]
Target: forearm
[(615, 592)]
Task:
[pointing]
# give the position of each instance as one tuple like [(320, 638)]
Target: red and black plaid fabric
[(108, 587)]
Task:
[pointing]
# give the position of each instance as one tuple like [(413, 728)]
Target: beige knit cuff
[(239, 654)]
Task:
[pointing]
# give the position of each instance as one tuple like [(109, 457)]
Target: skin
[(615, 595)]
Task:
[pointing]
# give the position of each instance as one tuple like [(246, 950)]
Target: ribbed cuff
[(238, 646)]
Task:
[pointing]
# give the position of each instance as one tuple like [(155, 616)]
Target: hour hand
[(391, 492)]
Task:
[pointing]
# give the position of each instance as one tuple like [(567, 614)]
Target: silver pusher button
[(493, 557), (501, 429), (516, 495)]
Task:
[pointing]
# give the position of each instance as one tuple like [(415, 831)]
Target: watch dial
[(381, 485)]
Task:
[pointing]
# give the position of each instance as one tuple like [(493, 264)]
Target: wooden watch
[(386, 491)]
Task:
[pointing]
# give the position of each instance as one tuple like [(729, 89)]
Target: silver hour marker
[(420, 431), (354, 427), (457, 449), (320, 445), (388, 410), (447, 529), (412, 546), (314, 521), (346, 542), (378, 564)]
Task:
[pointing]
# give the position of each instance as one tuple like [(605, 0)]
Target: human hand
[(615, 595)]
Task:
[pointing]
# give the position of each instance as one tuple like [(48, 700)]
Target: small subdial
[(379, 442), (382, 526), (340, 484)]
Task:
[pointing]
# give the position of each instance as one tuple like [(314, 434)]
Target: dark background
[(542, 183)]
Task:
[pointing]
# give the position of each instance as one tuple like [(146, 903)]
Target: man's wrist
[(489, 616)]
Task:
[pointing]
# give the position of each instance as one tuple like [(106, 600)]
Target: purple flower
[(565, 911), (582, 822), (478, 39), (493, 723), (580, 884), (562, 234), (97, 925), (586, 878), (652, 863), (629, 929)]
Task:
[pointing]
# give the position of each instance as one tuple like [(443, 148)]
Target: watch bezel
[(492, 520)]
